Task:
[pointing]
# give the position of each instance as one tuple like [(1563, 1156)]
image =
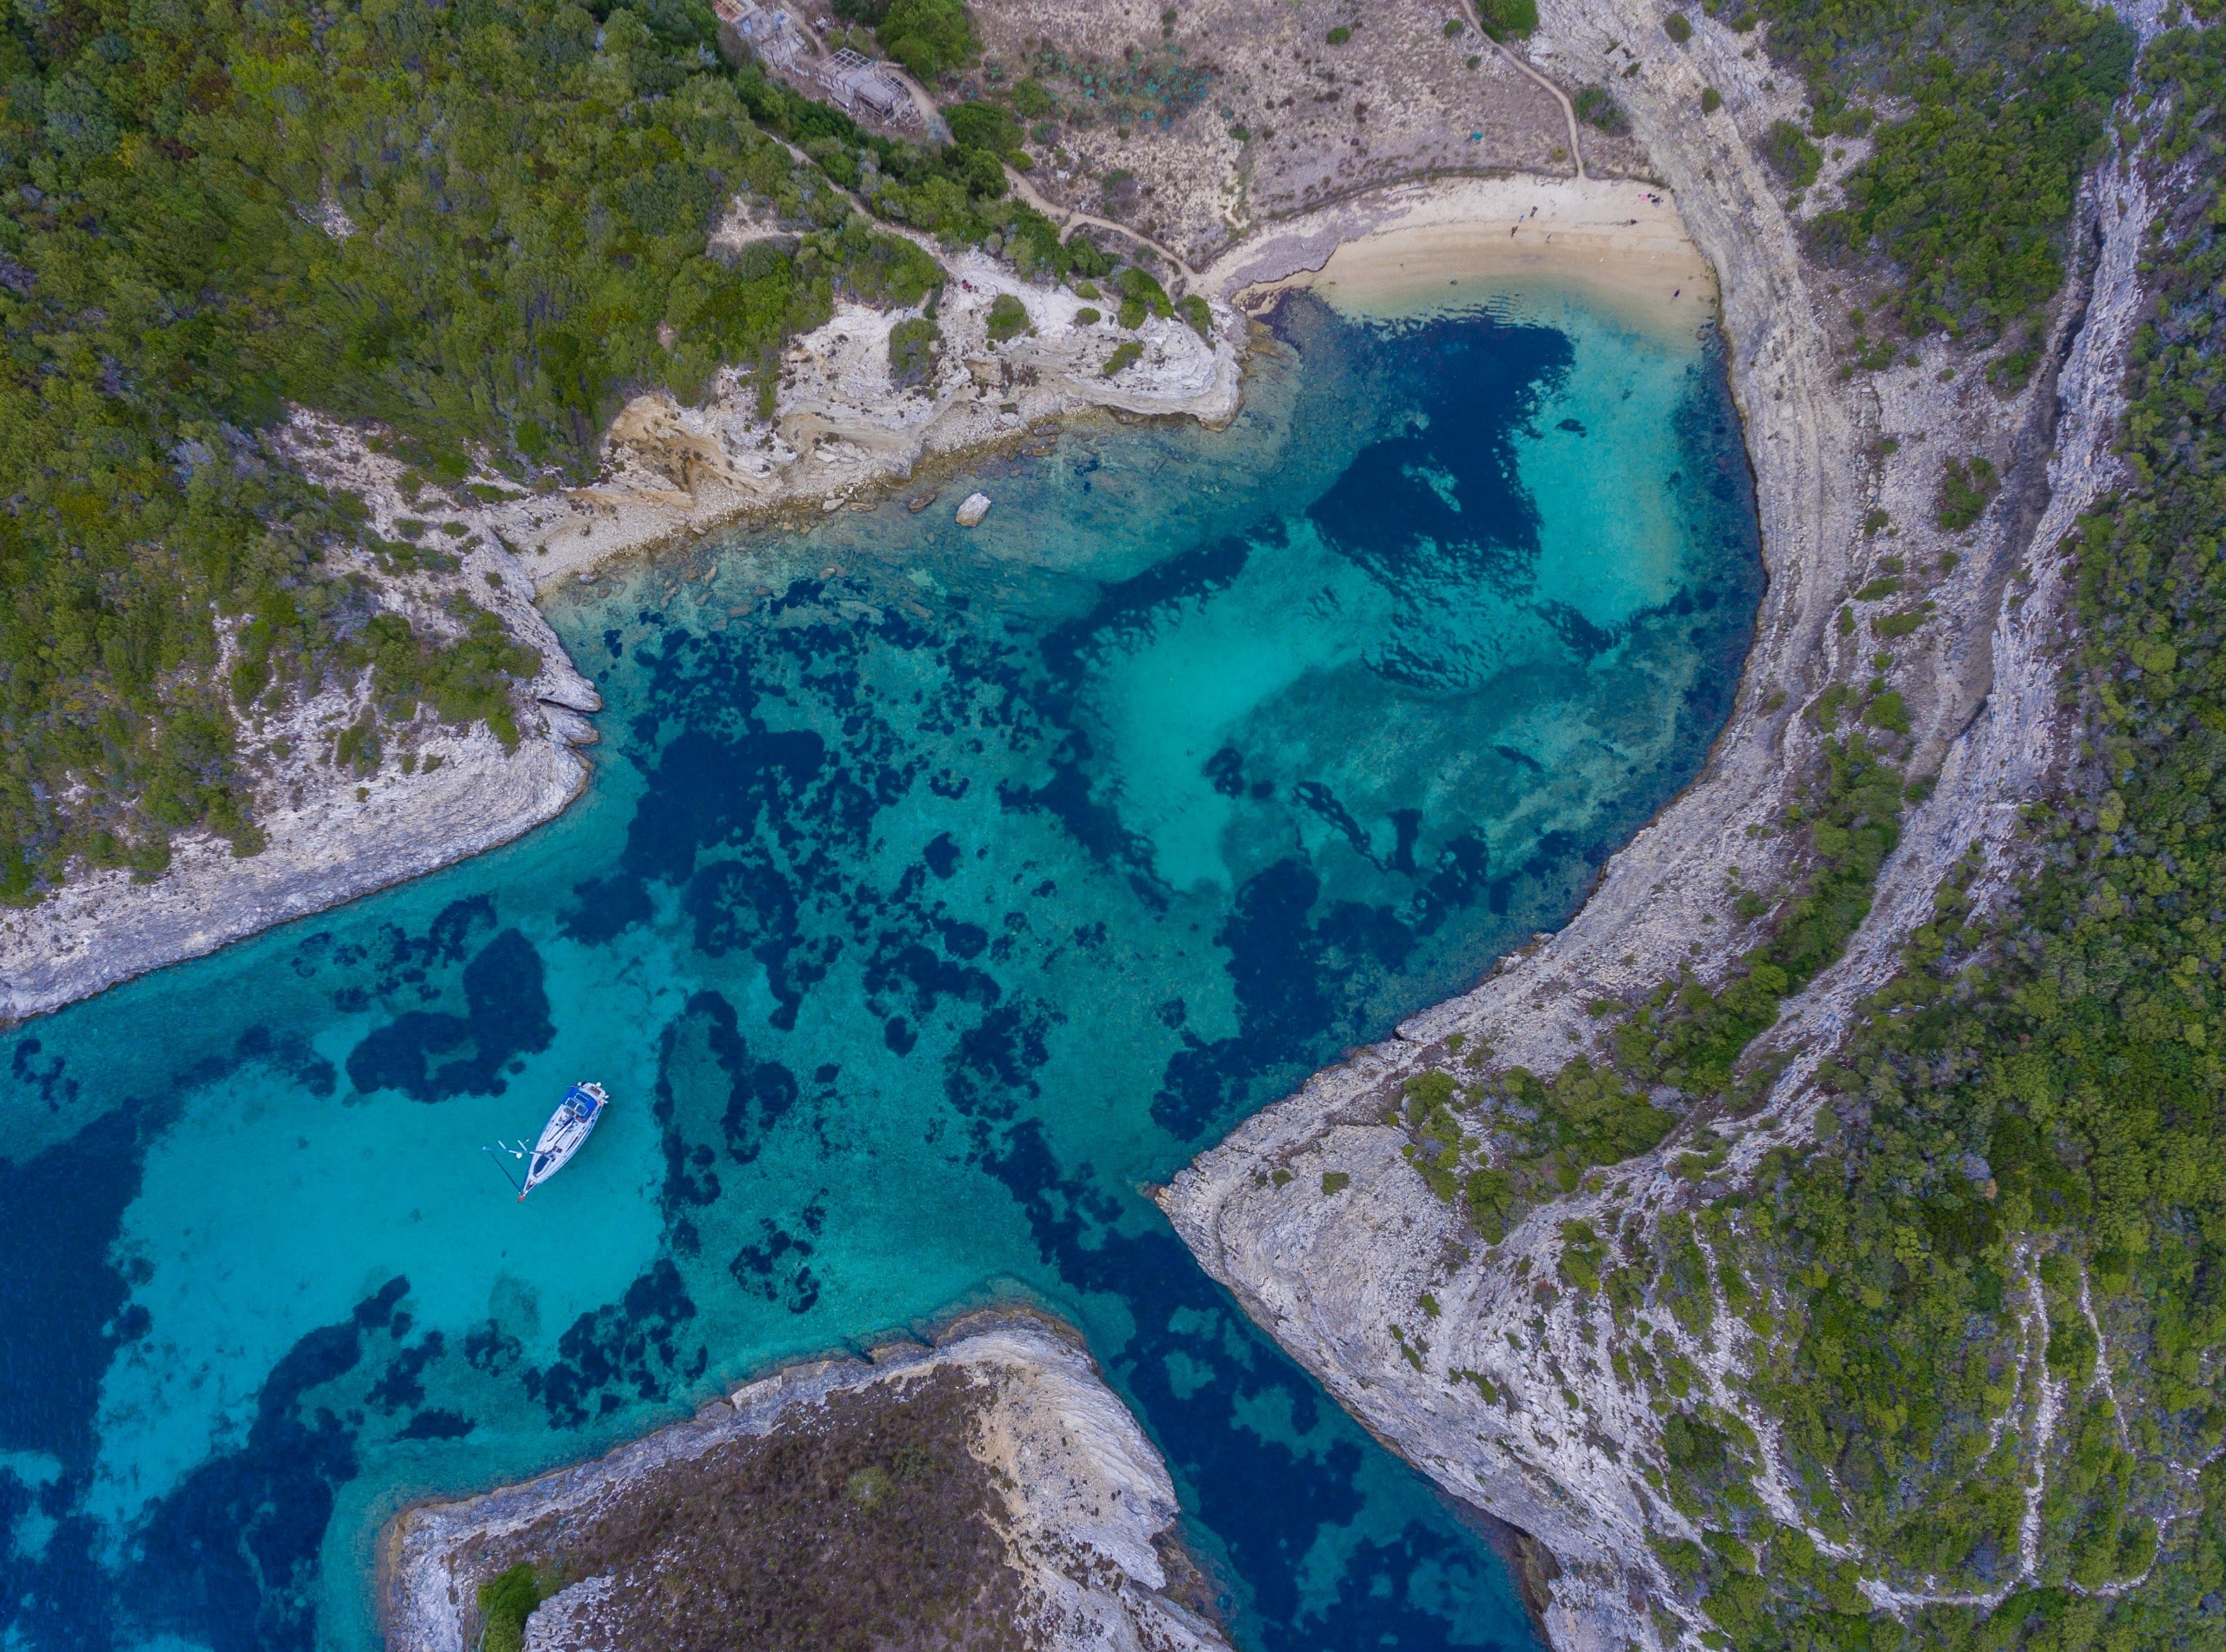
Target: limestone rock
[(1083, 1507)]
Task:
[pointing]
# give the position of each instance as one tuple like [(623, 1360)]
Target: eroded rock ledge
[(990, 1491), (1465, 1358)]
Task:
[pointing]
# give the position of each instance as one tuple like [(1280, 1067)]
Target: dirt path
[(1069, 221), (1568, 109)]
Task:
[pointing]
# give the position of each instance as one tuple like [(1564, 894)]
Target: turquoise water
[(936, 893)]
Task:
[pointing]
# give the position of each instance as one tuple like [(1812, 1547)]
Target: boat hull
[(564, 1135)]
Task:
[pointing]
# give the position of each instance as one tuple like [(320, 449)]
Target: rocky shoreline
[(1001, 1444), (842, 434), (1476, 1370), (334, 836)]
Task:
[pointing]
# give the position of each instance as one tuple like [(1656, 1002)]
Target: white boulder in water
[(975, 506)]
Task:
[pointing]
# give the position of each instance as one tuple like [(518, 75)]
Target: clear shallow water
[(937, 891)]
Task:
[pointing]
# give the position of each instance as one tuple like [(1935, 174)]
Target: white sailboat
[(567, 1131)]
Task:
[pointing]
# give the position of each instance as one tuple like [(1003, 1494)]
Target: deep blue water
[(937, 891)]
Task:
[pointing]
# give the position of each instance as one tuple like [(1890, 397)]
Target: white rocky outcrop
[(1087, 1498), (842, 428), (333, 835), (1474, 1367)]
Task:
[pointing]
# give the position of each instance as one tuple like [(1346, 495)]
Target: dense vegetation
[(1969, 194), (2029, 1120), (476, 227), (930, 38), (505, 1601), (170, 176), (2016, 1178)]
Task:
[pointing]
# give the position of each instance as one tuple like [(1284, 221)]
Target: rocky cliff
[(1499, 1361)]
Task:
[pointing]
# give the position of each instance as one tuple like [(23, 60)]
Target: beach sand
[(1415, 248)]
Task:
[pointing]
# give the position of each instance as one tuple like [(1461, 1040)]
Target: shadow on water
[(937, 891)]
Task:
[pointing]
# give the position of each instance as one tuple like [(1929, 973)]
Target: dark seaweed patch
[(1445, 494), (437, 1424), (633, 1348), (1288, 965), (506, 1016), (606, 908), (777, 1268), (58, 1319), (399, 1387), (228, 1558), (46, 1079)]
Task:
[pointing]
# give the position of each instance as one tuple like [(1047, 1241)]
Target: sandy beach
[(1620, 243)]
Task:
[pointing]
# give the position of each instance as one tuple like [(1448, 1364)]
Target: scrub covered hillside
[(479, 226), (1975, 1331), (2016, 1190), (2030, 1119), (2019, 1182)]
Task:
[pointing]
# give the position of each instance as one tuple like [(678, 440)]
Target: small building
[(857, 83), (773, 36)]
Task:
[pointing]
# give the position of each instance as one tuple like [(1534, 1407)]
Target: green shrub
[(912, 351), (1596, 104), (1339, 36), (1489, 1195), (1086, 317), (1678, 27), (1965, 488), (1582, 1256), (1140, 286), (1124, 355), (1007, 318), (1711, 100), (927, 36), (1789, 153), (1971, 196), (1335, 1180), (1887, 711), (983, 126), (1195, 309), (506, 1601), (1508, 19)]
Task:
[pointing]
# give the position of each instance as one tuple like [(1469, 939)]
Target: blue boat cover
[(581, 1102)]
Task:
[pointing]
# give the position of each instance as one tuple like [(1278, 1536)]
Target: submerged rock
[(973, 509), (990, 1491)]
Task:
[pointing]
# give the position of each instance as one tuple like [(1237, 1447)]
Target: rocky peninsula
[(1482, 1355), (989, 1491)]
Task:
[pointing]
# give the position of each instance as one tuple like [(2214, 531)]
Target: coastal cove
[(933, 894)]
